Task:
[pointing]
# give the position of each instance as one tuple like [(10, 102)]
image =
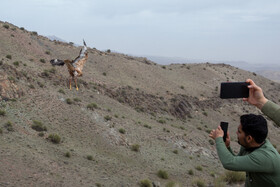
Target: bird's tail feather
[(57, 62), (85, 43)]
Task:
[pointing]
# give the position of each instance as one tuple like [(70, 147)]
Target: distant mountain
[(55, 38), (270, 74), (271, 71)]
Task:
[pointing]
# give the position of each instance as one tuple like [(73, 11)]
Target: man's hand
[(227, 140), (216, 133), (256, 96), (219, 133)]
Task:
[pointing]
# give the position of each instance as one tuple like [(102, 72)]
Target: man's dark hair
[(254, 125)]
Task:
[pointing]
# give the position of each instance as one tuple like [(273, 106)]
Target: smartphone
[(224, 126), (231, 90)]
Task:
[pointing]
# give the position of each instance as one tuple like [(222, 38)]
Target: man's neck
[(254, 146)]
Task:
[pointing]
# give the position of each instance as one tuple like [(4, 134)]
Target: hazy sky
[(237, 30)]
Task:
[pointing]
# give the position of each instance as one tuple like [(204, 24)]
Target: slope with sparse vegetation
[(132, 123)]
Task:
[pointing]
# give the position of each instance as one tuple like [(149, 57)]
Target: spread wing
[(82, 58), (57, 62)]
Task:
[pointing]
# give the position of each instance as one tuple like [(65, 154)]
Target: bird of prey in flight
[(75, 67)]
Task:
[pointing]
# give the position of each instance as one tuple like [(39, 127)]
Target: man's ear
[(249, 138)]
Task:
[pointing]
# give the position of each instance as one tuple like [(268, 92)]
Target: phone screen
[(231, 90)]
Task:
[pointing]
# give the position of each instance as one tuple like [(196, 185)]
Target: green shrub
[(40, 84), (1, 62), (38, 126), (92, 106), (46, 73), (61, 91), (190, 172), (139, 109), (48, 52), (183, 128), (107, 118), (105, 74), (41, 134), (9, 126), (98, 185), (69, 101), (175, 151), (13, 100), (148, 126), (77, 99), (212, 174), (166, 130), (31, 86), (162, 121), (199, 168), (2, 112), (55, 138), (162, 174), (135, 147), (42, 60), (22, 28), (122, 131), (89, 157), (234, 177), (34, 33), (6, 26), (16, 63), (9, 56), (1, 131), (146, 183), (172, 184), (67, 154), (218, 182), (199, 183)]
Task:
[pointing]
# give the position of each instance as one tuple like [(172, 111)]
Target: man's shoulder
[(268, 150)]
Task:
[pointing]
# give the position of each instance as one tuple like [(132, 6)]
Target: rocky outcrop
[(8, 87)]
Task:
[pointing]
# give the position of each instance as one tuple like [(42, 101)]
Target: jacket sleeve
[(272, 110), (231, 151), (253, 162)]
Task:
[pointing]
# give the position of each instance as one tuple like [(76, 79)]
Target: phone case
[(231, 90), (224, 126)]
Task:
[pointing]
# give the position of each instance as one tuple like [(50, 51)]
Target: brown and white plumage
[(75, 67)]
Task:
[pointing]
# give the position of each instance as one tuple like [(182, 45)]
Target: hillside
[(271, 74), (130, 118)]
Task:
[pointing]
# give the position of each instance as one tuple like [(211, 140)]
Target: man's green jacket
[(262, 165), (272, 110)]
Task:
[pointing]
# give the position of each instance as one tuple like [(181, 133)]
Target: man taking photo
[(257, 156)]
